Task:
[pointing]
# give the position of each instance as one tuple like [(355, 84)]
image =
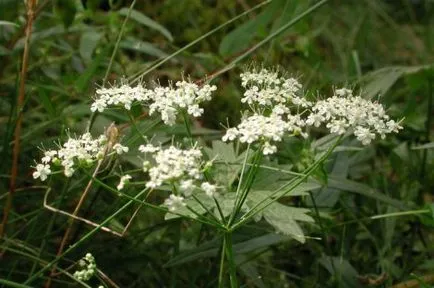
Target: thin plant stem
[(231, 260), (71, 221), (268, 38), (140, 74), (84, 238), (133, 122), (30, 6), (206, 208), (222, 263), (291, 184), (219, 209), (187, 127), (250, 178), (112, 58), (231, 219)]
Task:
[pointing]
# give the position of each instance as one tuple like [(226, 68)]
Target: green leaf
[(283, 219), (228, 170), (88, 42), (342, 270), (378, 82), (132, 43), (364, 190), (241, 37), (84, 79), (248, 268), (65, 10), (146, 21), (424, 146), (7, 23), (46, 102)]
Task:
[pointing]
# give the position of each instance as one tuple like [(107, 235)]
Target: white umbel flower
[(123, 96), (42, 172), (174, 202), (173, 164), (123, 181), (343, 111), (268, 88), (83, 150), (169, 101), (210, 189), (120, 149), (88, 268)]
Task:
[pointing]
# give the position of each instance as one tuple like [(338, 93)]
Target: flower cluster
[(270, 98), (344, 111), (88, 268), (167, 101), (76, 151), (123, 95), (267, 88), (179, 168), (123, 181)]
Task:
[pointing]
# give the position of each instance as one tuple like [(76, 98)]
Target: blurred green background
[(385, 49)]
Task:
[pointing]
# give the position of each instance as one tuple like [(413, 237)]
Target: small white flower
[(42, 171), (174, 164), (148, 148), (230, 135), (120, 149), (269, 149), (174, 202), (123, 181), (187, 187), (146, 165), (210, 190), (364, 135), (48, 156), (88, 266)]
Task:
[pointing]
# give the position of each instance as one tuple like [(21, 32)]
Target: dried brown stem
[(30, 7), (74, 215)]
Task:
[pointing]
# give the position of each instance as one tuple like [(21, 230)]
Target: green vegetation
[(349, 215)]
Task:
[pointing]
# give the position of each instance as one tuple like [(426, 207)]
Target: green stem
[(84, 238), (187, 127), (222, 263), (231, 260), (291, 184), (140, 74), (133, 122), (112, 58), (231, 219)]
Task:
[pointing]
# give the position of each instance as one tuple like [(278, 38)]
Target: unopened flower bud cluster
[(88, 268), (167, 101), (83, 150)]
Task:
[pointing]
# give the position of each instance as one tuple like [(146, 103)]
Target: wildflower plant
[(216, 185)]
